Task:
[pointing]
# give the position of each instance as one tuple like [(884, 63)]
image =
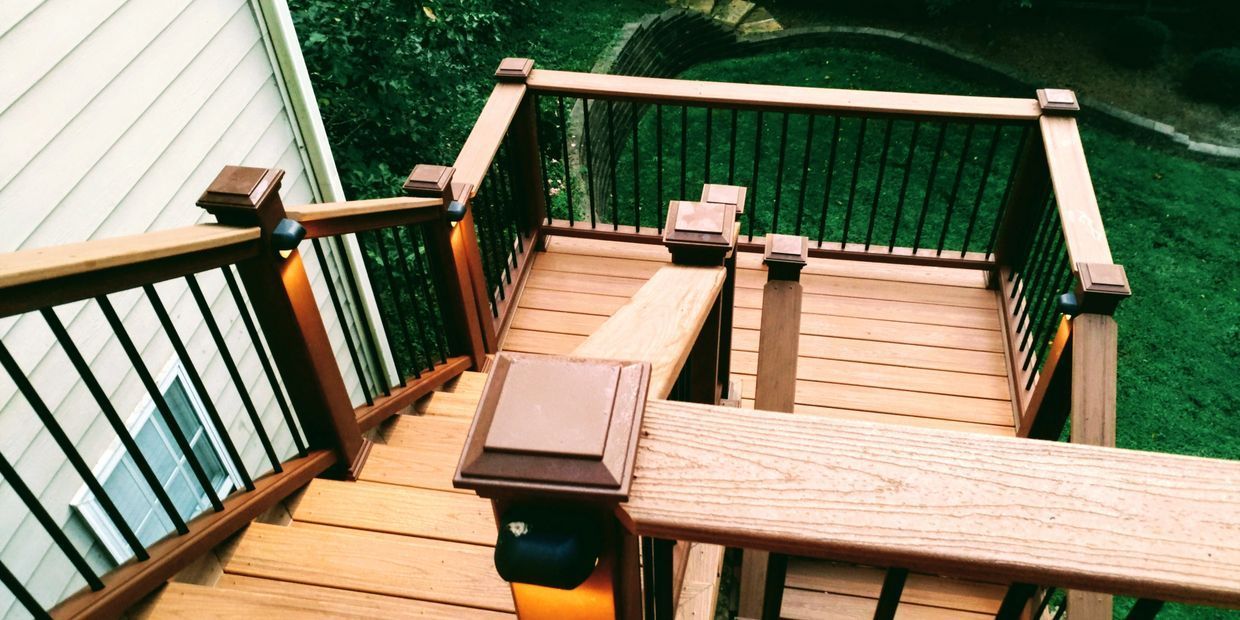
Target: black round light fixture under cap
[(550, 546), (287, 234)]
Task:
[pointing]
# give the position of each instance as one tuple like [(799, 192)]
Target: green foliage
[(1138, 42), (1215, 76), (399, 82)]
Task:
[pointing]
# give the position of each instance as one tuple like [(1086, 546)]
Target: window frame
[(87, 505)]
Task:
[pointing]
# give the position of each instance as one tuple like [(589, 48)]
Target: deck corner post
[(447, 247), (556, 464), (279, 290), (762, 573)]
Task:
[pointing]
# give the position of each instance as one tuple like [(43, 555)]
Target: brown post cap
[(237, 191), (428, 180), (699, 233), (1101, 287), (1057, 101), (785, 256), (514, 69), (725, 194), (555, 425)]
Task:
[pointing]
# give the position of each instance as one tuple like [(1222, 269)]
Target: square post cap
[(785, 256), (1058, 101), (1101, 287), (514, 69), (558, 426), (237, 192), (725, 194), (428, 180), (699, 233)]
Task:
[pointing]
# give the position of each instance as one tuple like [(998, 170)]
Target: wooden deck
[(895, 344)]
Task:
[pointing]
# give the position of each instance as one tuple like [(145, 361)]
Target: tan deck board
[(890, 353), (1002, 430), (282, 600), (919, 589), (424, 467), (431, 570), (808, 605), (440, 515), (444, 433), (448, 404)]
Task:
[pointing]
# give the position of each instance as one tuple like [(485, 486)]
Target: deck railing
[(247, 265)]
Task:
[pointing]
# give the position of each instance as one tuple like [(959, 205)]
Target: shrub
[(400, 82), (1215, 76), (1137, 42)]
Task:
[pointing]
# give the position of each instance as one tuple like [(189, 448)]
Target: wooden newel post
[(734, 196), (555, 464), (762, 573), (279, 290), (705, 233), (527, 162), (447, 248)]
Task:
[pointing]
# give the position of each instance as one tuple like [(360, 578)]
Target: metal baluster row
[(865, 171), (211, 311)]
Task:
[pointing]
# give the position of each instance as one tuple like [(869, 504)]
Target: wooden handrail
[(763, 96), (475, 156), (41, 277), (660, 324), (336, 218), (1084, 234), (956, 504)]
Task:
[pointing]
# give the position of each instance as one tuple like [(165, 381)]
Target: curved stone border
[(667, 44)]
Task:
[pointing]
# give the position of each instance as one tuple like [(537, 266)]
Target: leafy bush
[(400, 82), (1215, 76), (1137, 42)]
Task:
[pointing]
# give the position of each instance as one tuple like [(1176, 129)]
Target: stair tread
[(389, 564), (469, 382), (282, 600), (449, 404), (455, 517), (417, 432), (428, 467), (825, 581)]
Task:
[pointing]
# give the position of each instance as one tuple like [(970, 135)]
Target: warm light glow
[(285, 253), (591, 600)]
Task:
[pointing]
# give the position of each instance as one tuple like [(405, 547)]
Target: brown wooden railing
[(254, 247)]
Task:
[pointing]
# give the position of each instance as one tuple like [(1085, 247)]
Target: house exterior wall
[(114, 116)]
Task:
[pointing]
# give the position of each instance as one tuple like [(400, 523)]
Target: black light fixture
[(1068, 304), (547, 545), (286, 235), (455, 211)]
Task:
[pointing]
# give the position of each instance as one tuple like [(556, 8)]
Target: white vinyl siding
[(115, 115)]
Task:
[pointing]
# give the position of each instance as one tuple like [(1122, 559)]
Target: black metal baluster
[(230, 365), (161, 405), (585, 121), (773, 587), (981, 188), (376, 265), (496, 201), (195, 379), (1040, 306), (394, 294), (684, 148), (1048, 315), (753, 182), (419, 318), (1007, 191), (114, 419), (1046, 601), (826, 186), (809, 148), (614, 149), (27, 497), (951, 201), (23, 595), (66, 445), (647, 567), (1017, 275), (889, 597), (1014, 601), (732, 151), (658, 147), (1042, 276), (481, 208), (363, 327), (779, 172), (706, 163), (433, 306), (1144, 609), (934, 170), (568, 172), (662, 566), (637, 187), (261, 349), (543, 146), (856, 173), (344, 327), (908, 169), (878, 185)]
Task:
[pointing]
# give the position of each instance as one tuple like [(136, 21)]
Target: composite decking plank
[(468, 381), (431, 570), (890, 353), (808, 605), (448, 404), (944, 336), (525, 341), (885, 376), (883, 309), (699, 591), (425, 467), (919, 589), (420, 431), (453, 517), (1002, 430), (557, 322), (570, 301), (280, 600)]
